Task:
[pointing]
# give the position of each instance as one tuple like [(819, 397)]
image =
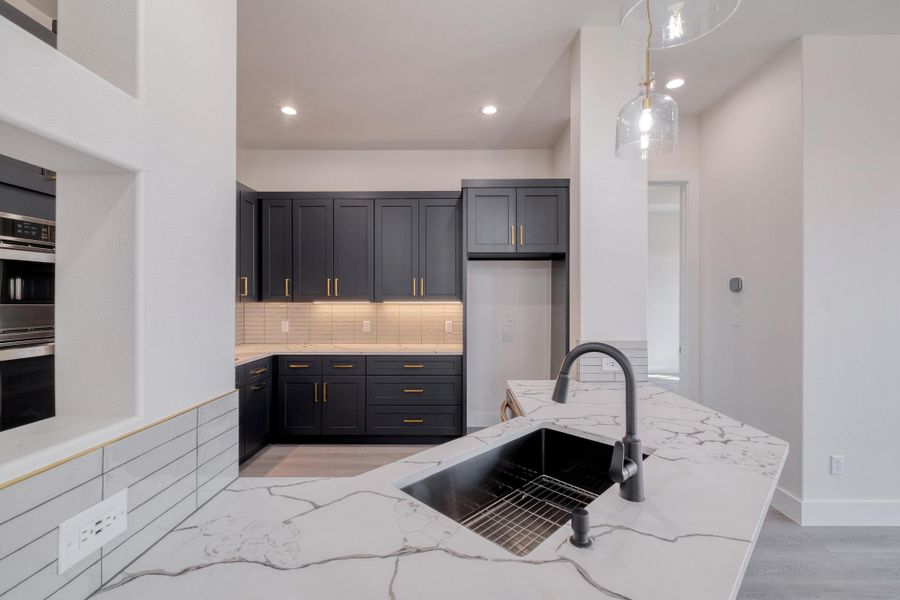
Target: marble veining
[(244, 353), (708, 480)]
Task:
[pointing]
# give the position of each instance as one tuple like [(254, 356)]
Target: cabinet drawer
[(414, 365), (257, 370), (290, 366), (397, 390), (344, 365), (413, 420)]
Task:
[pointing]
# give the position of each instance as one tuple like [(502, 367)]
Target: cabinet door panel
[(247, 245), (439, 253), (491, 219), (313, 250), (344, 405), (542, 220), (277, 249), (258, 416), (300, 410), (354, 252), (396, 249)]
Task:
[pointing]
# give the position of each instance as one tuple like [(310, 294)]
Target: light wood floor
[(790, 562), (323, 460)]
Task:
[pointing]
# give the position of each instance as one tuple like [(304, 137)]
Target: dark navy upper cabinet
[(439, 249), (354, 258), (541, 218), (396, 249), (313, 248), (277, 248), (417, 249), (522, 221), (491, 220), (247, 244)]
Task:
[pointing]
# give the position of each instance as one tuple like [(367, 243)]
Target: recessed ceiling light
[(289, 110), (489, 110), (674, 84)]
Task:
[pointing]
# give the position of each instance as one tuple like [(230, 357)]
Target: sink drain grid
[(522, 519)]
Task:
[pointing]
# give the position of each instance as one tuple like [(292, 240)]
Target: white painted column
[(608, 205)]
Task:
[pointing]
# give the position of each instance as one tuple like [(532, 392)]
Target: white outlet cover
[(86, 532), (367, 326), (285, 326), (448, 326)]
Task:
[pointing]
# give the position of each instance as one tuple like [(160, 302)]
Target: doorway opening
[(664, 283)]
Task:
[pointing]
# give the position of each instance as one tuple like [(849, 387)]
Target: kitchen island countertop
[(709, 481)]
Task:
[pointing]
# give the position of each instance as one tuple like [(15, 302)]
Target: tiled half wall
[(590, 366), (342, 323), (170, 469)]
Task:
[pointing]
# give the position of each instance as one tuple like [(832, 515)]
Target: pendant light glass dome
[(647, 126), (675, 22)]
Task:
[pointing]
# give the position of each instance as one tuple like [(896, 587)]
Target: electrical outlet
[(608, 365), (285, 326), (510, 322), (736, 317), (367, 326), (837, 464), (90, 529), (448, 326)]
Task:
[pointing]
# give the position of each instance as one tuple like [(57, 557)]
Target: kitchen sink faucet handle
[(622, 468)]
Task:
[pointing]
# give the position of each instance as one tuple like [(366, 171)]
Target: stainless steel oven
[(27, 390), (27, 288)]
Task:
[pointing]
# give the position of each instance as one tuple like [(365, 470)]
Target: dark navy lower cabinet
[(254, 382)]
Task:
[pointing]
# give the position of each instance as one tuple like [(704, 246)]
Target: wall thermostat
[(736, 284)]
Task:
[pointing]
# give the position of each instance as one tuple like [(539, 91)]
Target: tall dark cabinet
[(277, 247), (417, 249), (247, 244)]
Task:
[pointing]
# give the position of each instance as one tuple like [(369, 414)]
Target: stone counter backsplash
[(342, 323)]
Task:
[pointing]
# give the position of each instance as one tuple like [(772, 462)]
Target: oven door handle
[(17, 352)]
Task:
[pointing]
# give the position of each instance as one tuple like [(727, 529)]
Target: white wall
[(663, 284), (851, 279), (386, 170), (609, 196), (508, 331), (751, 226), (562, 154), (145, 255), (686, 156)]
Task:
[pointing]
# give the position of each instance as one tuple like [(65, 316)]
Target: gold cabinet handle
[(324, 392), (245, 286), (298, 366), (414, 286), (413, 420), (413, 366), (413, 391), (521, 235), (287, 287), (422, 287), (258, 387), (316, 393), (328, 287), (337, 289), (512, 235), (259, 371), (342, 366)]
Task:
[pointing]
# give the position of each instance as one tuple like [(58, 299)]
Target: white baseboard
[(787, 504), (849, 513), (475, 418)]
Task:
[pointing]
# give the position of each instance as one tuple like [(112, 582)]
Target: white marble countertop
[(244, 353), (708, 483)]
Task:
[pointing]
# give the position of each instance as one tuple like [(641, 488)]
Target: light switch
[(736, 317)]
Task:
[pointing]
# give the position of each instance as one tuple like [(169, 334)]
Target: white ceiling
[(413, 74)]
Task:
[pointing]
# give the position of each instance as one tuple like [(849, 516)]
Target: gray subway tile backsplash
[(158, 465)]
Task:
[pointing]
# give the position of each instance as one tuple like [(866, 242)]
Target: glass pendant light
[(678, 21), (647, 127)]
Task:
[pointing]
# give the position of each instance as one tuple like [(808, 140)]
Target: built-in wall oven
[(27, 278)]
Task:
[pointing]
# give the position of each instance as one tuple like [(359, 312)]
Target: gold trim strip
[(62, 461)]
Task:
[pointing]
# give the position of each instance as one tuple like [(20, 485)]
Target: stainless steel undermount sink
[(519, 493)]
